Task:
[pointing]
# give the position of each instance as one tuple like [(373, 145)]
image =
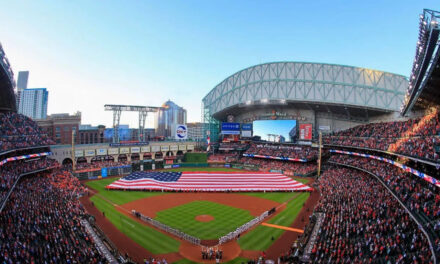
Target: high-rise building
[(167, 119), (33, 103), (22, 82), (195, 131)]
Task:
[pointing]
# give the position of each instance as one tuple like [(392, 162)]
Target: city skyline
[(144, 53)]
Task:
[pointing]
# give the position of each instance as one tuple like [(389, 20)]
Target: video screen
[(275, 130)]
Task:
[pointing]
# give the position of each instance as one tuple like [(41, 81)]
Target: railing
[(168, 229), (234, 234)]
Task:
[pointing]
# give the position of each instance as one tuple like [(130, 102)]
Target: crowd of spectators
[(420, 196), (41, 222), (222, 157), (230, 146), (281, 150), (299, 168), (18, 131), (11, 171), (364, 223), (414, 137), (100, 164)]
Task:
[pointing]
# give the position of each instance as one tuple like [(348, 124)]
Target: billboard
[(155, 148), (274, 130), (101, 152), (113, 151), (181, 132), (230, 128), (79, 153), (305, 131), (145, 149), (90, 153), (135, 149)]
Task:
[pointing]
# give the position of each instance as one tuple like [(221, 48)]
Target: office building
[(33, 103), (22, 83), (168, 117)]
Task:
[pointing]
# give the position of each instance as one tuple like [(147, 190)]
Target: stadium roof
[(311, 85), (7, 84), (423, 89)]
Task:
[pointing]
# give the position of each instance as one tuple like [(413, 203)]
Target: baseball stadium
[(300, 162)]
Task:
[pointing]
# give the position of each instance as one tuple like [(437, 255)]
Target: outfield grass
[(279, 197), (119, 197), (261, 237), (226, 219), (149, 238)]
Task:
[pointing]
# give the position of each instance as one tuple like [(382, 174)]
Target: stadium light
[(248, 102), (283, 101), (265, 101)]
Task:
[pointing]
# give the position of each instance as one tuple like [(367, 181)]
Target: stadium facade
[(328, 96), (7, 84)]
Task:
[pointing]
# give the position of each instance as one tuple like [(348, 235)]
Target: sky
[(279, 127), (89, 53)]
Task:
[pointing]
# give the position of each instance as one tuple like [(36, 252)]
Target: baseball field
[(207, 216)]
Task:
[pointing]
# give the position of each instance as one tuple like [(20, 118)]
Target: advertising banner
[(246, 126), (124, 150), (145, 149), (181, 132), (174, 148), (305, 131), (101, 152), (190, 147), (104, 172), (246, 133), (135, 149), (113, 151), (164, 148), (155, 148), (182, 147), (90, 153), (79, 153), (230, 128)]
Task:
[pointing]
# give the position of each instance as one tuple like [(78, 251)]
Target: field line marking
[(284, 228)]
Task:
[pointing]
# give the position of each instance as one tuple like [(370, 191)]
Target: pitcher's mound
[(204, 218)]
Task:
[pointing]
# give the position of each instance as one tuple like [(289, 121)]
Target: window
[(58, 129), (66, 128)]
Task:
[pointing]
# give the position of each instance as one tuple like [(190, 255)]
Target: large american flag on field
[(208, 181)]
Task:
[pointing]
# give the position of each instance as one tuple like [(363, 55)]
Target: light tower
[(117, 110)]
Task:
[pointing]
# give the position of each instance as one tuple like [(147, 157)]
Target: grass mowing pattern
[(261, 237), (182, 217), (234, 261), (279, 197), (147, 237), (119, 197)]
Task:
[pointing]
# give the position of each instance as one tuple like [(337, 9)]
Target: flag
[(208, 181)]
